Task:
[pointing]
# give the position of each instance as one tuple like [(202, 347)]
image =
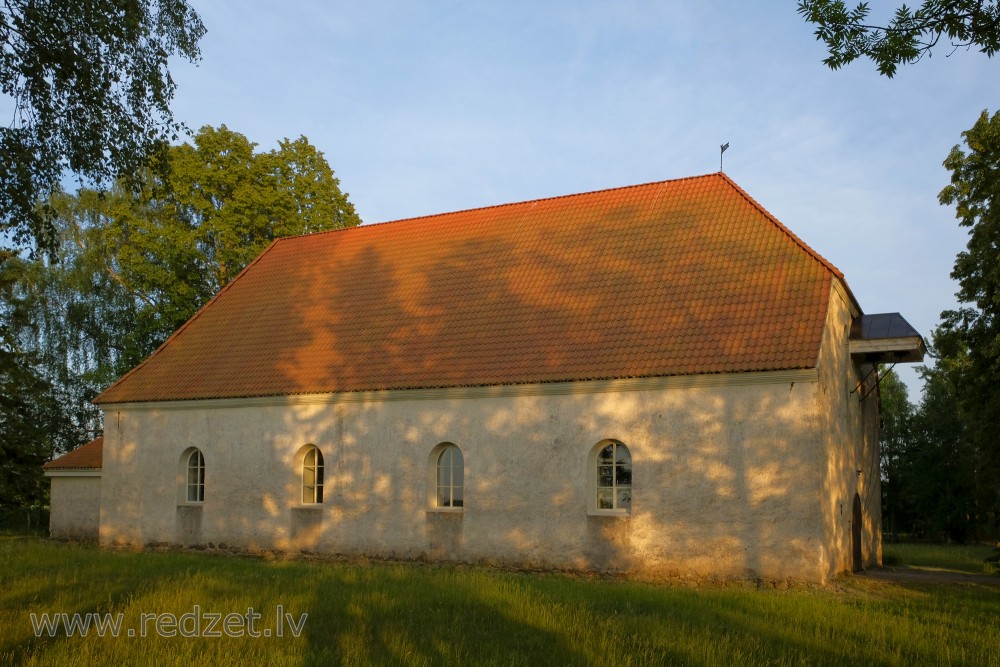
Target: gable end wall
[(851, 443)]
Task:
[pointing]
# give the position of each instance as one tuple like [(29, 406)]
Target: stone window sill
[(445, 510)]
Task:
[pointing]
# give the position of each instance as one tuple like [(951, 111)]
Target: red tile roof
[(671, 278), (86, 457)]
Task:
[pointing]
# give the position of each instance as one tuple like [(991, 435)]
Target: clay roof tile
[(675, 277)]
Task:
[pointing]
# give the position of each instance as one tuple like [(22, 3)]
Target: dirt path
[(929, 576)]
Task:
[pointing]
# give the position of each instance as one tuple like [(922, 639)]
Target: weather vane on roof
[(722, 149)]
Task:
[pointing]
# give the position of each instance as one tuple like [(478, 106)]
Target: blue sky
[(427, 107)]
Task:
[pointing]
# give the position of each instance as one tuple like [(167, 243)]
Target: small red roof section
[(678, 277), (86, 457)]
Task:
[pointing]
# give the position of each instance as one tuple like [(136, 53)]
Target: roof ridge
[(488, 207)]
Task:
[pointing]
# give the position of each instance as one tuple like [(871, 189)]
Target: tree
[(940, 477), (91, 89), (973, 331), (31, 418), (130, 269), (894, 441), (908, 36)]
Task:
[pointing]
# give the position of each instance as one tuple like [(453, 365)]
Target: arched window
[(614, 477), (450, 476), (195, 477), (312, 476)]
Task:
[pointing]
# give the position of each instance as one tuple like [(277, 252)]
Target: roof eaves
[(475, 385)]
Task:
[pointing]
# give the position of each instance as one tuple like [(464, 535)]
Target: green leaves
[(32, 423), (223, 203), (968, 340), (91, 90), (907, 37)]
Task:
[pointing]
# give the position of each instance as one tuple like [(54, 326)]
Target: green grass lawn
[(412, 614)]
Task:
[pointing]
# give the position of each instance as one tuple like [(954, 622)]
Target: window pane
[(307, 494), (622, 455), (308, 476), (445, 458), (607, 454), (623, 475), (605, 499), (625, 499), (443, 497), (457, 498), (605, 475)]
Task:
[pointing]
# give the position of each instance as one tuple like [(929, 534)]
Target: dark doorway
[(856, 534)]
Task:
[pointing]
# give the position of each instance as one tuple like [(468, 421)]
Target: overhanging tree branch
[(908, 36)]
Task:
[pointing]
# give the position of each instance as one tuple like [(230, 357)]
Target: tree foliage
[(31, 416), (908, 36), (971, 333), (131, 268), (975, 193), (941, 481), (90, 88), (948, 477), (894, 439)]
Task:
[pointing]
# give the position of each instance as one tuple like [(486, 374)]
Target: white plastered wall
[(75, 504), (728, 474)]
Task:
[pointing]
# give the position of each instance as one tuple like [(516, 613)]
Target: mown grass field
[(412, 614)]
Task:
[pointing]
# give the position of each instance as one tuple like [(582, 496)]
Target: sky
[(428, 107)]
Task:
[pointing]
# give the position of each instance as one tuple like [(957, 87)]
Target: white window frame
[(599, 491), (195, 478), (312, 469), (452, 486)]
